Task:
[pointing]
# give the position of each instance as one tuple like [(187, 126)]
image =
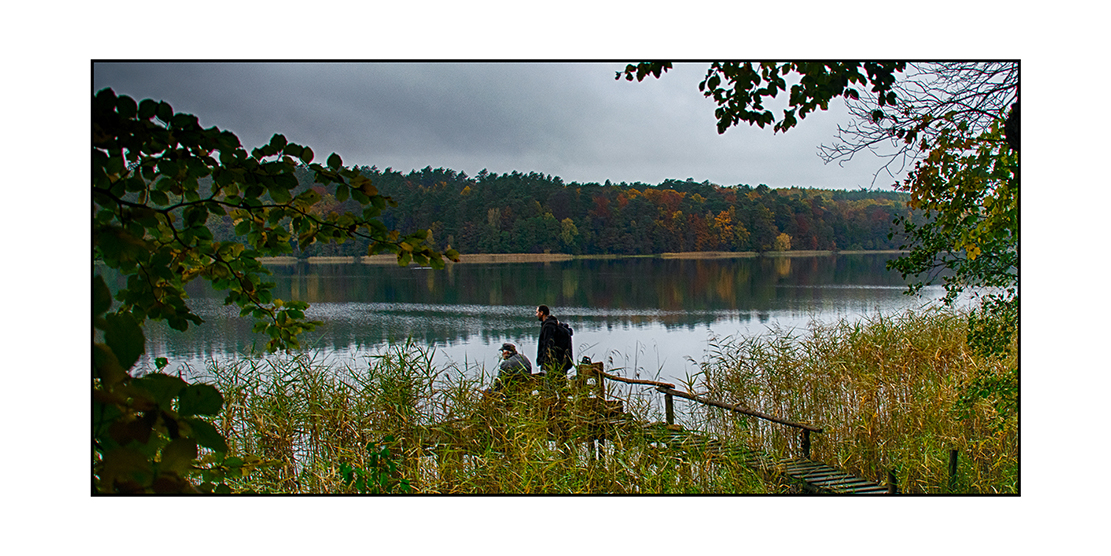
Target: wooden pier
[(812, 476), (594, 418)]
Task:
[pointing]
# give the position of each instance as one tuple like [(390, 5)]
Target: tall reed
[(303, 418), (885, 389), (308, 422)]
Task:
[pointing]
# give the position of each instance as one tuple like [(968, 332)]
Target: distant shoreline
[(489, 258)]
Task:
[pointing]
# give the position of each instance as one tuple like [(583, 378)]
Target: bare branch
[(932, 97)]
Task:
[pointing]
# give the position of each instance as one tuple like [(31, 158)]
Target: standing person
[(553, 355), (515, 368)]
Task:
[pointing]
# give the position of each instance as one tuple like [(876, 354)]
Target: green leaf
[(102, 298), (164, 112), (306, 155), (125, 338), (114, 165), (195, 215), (206, 435), (126, 106), (280, 195), (163, 388), (184, 121), (335, 162), (200, 399), (147, 108), (159, 198)]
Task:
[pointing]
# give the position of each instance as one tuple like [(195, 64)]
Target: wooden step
[(817, 476)]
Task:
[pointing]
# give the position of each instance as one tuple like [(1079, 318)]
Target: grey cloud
[(572, 120)]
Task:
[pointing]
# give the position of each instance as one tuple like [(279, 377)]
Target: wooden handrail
[(668, 389), (737, 408), (630, 380)]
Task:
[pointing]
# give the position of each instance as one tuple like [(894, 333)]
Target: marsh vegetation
[(886, 390)]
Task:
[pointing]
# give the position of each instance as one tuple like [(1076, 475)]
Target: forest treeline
[(536, 213)]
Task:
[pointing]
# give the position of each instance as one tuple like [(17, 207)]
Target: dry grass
[(886, 392), (711, 255)]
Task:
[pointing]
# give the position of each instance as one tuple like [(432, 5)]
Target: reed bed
[(885, 391), (311, 424)]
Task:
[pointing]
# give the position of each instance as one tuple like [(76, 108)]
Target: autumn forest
[(535, 213)]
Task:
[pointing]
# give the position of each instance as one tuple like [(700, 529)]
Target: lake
[(649, 316)]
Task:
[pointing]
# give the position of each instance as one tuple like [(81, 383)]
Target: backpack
[(563, 344)]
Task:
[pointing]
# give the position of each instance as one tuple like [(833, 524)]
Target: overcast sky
[(571, 120)]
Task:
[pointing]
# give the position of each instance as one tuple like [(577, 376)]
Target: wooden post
[(669, 407), (600, 382), (952, 470), (806, 443), (892, 482)]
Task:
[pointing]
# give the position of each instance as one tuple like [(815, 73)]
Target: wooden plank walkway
[(814, 477)]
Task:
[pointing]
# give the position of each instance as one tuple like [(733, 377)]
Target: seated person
[(515, 368)]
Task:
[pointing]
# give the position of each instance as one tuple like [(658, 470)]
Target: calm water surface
[(651, 317)]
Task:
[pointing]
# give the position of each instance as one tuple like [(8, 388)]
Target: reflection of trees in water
[(782, 267), (665, 284), (493, 302)]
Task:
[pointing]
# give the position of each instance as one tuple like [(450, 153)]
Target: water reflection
[(667, 284), (651, 313)]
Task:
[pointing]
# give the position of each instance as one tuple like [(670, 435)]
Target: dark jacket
[(548, 352), (517, 364), (514, 370)]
